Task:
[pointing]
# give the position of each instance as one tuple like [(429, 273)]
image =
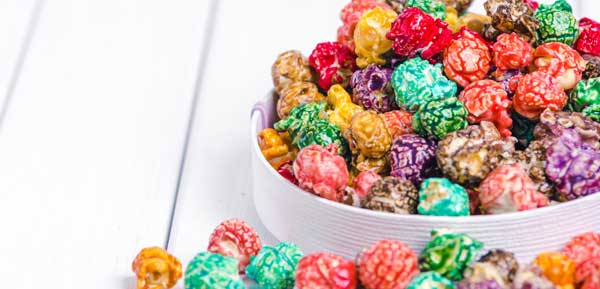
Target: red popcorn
[(589, 37), (486, 100), (235, 238), (467, 59), (322, 171), (584, 250), (511, 51), (334, 63), (350, 15), (325, 271), (508, 188), (387, 265), (560, 61), (536, 92), (364, 181), (415, 32), (533, 4), (398, 122), (286, 170)]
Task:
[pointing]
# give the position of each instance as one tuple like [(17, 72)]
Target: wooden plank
[(216, 184), (91, 144), (17, 21)]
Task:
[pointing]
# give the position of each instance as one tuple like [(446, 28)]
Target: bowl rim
[(511, 216)]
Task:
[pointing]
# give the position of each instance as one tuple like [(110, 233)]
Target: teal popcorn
[(416, 82), (439, 117), (557, 23), (585, 93), (593, 112), (430, 280), (213, 271), (434, 8), (449, 254), (440, 197), (274, 267), (322, 132)]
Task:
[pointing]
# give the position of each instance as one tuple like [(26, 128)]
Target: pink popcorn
[(322, 171)]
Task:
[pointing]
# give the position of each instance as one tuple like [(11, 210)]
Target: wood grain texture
[(17, 18), (91, 144)]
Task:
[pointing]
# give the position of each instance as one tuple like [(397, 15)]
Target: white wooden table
[(124, 124)]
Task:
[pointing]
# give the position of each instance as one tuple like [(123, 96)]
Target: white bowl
[(317, 224)]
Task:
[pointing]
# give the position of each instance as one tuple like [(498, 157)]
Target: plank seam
[(202, 63), (22, 56)]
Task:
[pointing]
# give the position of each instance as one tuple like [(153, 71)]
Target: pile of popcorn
[(448, 261), (422, 108)]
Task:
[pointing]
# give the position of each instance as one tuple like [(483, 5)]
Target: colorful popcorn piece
[(413, 158), (300, 118), (350, 16), (504, 261), (486, 100), (363, 183), (430, 280), (322, 171), (467, 58), (509, 189), (368, 135), (448, 254), (274, 267), (589, 37), (573, 166), (295, 94), (440, 197), (398, 122), (438, 118), (537, 92), (394, 195), (584, 250), (561, 62), (586, 93), (289, 67), (417, 82), (323, 133), (510, 16), (275, 148), (552, 126), (557, 268), (369, 36), (592, 68), (557, 23), (416, 33), (210, 270), (434, 8), (467, 156), (235, 238), (286, 170), (473, 21), (334, 64), (387, 264), (511, 52), (325, 271), (155, 268), (372, 88)]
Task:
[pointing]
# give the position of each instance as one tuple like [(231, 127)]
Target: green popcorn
[(274, 267), (213, 271), (449, 254), (299, 119), (440, 117), (557, 23), (322, 132), (440, 197), (416, 82), (430, 280), (593, 112), (432, 7), (585, 93)]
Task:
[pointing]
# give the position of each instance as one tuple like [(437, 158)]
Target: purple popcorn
[(574, 166), (371, 88), (487, 284), (413, 158), (553, 124)]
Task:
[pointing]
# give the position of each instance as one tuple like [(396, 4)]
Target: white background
[(125, 124)]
